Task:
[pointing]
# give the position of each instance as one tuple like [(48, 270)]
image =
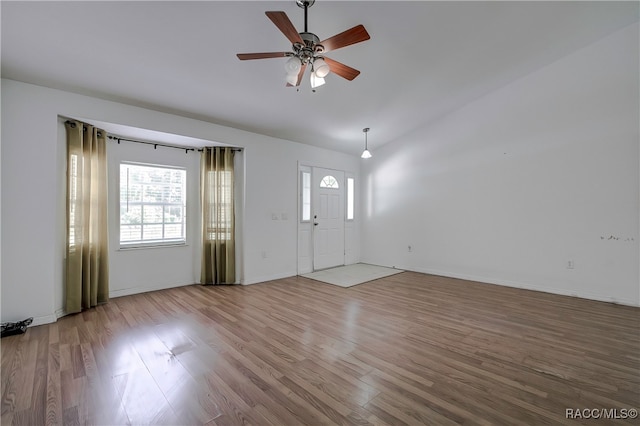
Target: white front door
[(328, 218)]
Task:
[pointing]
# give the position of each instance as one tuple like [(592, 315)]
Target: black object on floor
[(11, 328)]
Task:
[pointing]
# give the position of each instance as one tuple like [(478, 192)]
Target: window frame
[(222, 233), (302, 195), (72, 198), (164, 242), (350, 195), (329, 183)]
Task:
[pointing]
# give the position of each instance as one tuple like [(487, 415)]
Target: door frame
[(305, 244), (335, 255)]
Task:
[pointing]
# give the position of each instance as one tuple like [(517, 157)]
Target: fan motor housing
[(307, 52), (310, 38), (305, 3)]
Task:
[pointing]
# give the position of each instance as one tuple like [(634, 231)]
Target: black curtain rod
[(155, 144)]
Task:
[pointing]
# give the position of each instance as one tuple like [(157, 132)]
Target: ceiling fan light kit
[(308, 50), (292, 66), (320, 68), (316, 81), (292, 79)]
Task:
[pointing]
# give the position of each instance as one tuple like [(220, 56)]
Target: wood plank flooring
[(407, 349)]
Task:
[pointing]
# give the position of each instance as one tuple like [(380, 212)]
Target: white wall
[(511, 187), (504, 190), (33, 185), (137, 270)]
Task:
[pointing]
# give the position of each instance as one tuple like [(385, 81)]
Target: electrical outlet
[(570, 264), (409, 249)]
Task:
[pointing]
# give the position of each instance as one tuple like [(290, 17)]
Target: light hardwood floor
[(407, 349)]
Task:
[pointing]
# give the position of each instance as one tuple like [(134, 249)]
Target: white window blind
[(220, 220), (152, 205)]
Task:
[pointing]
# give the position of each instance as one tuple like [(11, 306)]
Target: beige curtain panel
[(218, 216), (87, 266)]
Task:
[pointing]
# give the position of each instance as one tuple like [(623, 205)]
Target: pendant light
[(365, 153)]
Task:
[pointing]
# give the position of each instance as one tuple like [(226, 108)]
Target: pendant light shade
[(365, 153)]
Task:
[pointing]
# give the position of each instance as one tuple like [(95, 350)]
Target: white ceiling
[(423, 60)]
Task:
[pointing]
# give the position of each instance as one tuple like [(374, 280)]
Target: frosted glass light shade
[(365, 154), (293, 65), (292, 79), (316, 81), (321, 68)]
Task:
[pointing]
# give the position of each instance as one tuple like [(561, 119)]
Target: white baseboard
[(59, 313), (257, 280), (524, 286), (45, 319), (138, 290)]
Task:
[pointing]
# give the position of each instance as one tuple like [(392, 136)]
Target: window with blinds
[(220, 220), (73, 201), (152, 205)]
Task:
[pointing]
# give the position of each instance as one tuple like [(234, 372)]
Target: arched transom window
[(329, 182)]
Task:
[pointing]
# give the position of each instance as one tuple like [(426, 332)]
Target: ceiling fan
[(308, 50)]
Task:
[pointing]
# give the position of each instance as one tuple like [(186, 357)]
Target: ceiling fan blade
[(265, 55), (300, 74), (284, 24), (346, 38), (341, 69)]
